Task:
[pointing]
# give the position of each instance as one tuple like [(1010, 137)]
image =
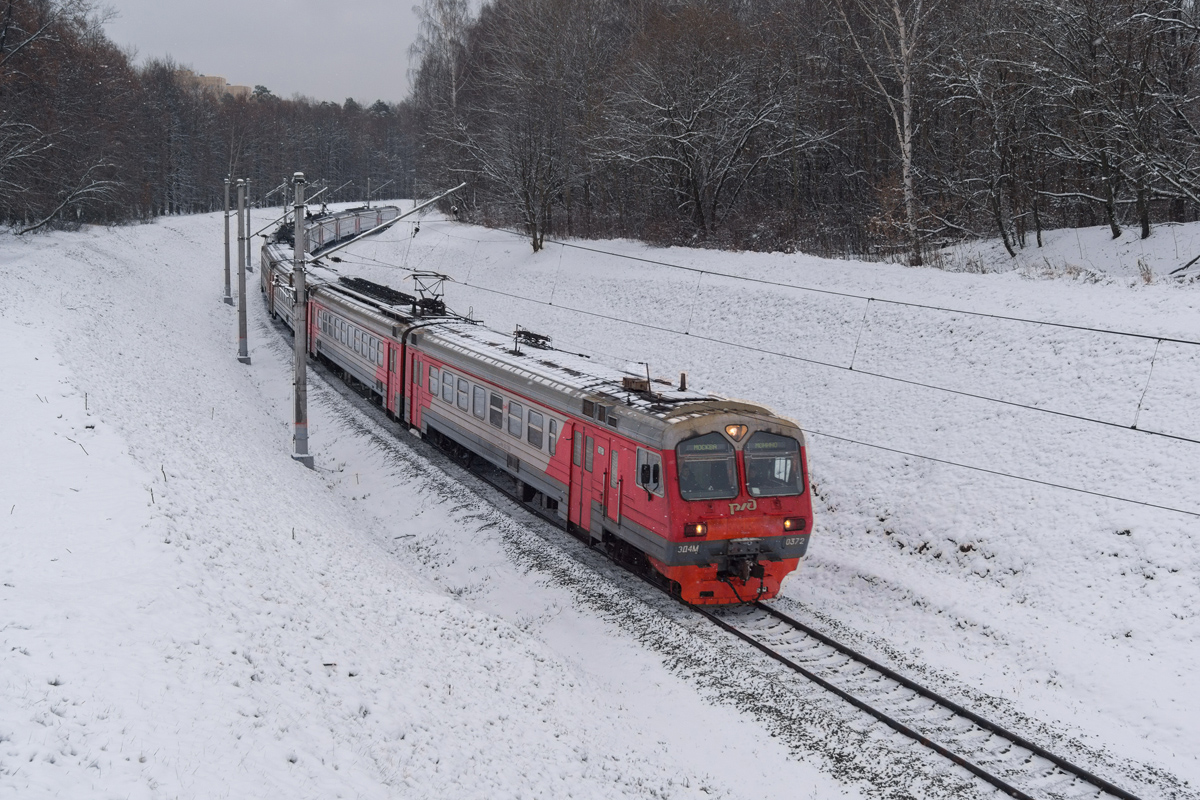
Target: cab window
[(772, 465), (707, 468)]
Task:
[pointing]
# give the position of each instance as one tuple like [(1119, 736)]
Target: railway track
[(1001, 758), (1006, 760)]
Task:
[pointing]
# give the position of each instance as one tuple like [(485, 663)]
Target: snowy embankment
[(186, 612)]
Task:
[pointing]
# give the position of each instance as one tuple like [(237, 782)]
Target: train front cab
[(741, 512)]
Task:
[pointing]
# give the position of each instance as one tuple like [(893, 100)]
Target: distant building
[(211, 83)]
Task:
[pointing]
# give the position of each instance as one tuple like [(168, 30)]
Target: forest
[(87, 137), (874, 128)]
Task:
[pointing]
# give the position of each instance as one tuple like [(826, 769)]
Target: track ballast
[(1006, 760)]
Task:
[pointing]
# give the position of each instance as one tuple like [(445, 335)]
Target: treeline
[(834, 126), (87, 137)]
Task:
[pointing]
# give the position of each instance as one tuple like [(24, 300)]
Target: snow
[(186, 612)]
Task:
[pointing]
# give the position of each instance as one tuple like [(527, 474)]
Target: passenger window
[(577, 456), (496, 412), (515, 412), (535, 429), (433, 380), (479, 408), (464, 393), (447, 386), (587, 454), (553, 436)]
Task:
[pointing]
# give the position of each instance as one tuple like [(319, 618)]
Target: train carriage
[(706, 495)]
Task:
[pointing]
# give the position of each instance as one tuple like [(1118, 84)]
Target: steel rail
[(982, 722)]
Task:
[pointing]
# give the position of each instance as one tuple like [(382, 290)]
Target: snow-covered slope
[(185, 612)]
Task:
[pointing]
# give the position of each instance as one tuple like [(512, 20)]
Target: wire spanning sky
[(326, 51)]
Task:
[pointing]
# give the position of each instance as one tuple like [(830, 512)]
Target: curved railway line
[(1000, 758), (1007, 761)]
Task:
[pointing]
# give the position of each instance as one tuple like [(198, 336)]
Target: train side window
[(535, 428), (479, 406), (649, 471), (419, 371), (464, 393), (587, 453), (496, 411), (612, 472), (391, 360), (552, 436), (447, 386), (433, 380), (577, 456), (515, 412)]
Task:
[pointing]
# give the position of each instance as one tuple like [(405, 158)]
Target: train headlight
[(695, 529), (794, 524), (736, 432)]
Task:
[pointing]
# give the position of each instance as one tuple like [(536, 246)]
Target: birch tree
[(894, 41)]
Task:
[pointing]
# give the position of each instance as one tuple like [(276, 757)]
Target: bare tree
[(892, 39)]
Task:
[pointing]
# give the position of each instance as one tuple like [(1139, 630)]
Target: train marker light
[(736, 432), (696, 529), (794, 523)]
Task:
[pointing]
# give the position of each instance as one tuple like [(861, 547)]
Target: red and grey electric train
[(708, 496)]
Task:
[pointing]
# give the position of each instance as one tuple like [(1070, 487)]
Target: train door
[(572, 436), (612, 491), (600, 476), (582, 461), (394, 392)]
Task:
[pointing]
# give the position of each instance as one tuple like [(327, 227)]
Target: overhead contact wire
[(830, 365)]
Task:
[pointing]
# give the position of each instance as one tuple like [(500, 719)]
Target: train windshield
[(707, 469), (772, 465)]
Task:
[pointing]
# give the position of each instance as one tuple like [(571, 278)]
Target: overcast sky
[(327, 51)]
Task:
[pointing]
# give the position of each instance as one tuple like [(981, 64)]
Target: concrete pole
[(368, 192), (300, 329), (228, 292), (249, 235), (243, 349)]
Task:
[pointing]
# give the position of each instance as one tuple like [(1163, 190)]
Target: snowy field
[(185, 612)]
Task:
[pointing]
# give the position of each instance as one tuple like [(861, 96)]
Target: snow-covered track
[(1006, 760)]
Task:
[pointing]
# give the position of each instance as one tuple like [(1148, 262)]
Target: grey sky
[(327, 51)]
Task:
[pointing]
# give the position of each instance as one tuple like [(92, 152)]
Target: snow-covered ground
[(185, 612)]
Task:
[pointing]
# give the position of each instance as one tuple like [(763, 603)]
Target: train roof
[(571, 383), (579, 386)]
